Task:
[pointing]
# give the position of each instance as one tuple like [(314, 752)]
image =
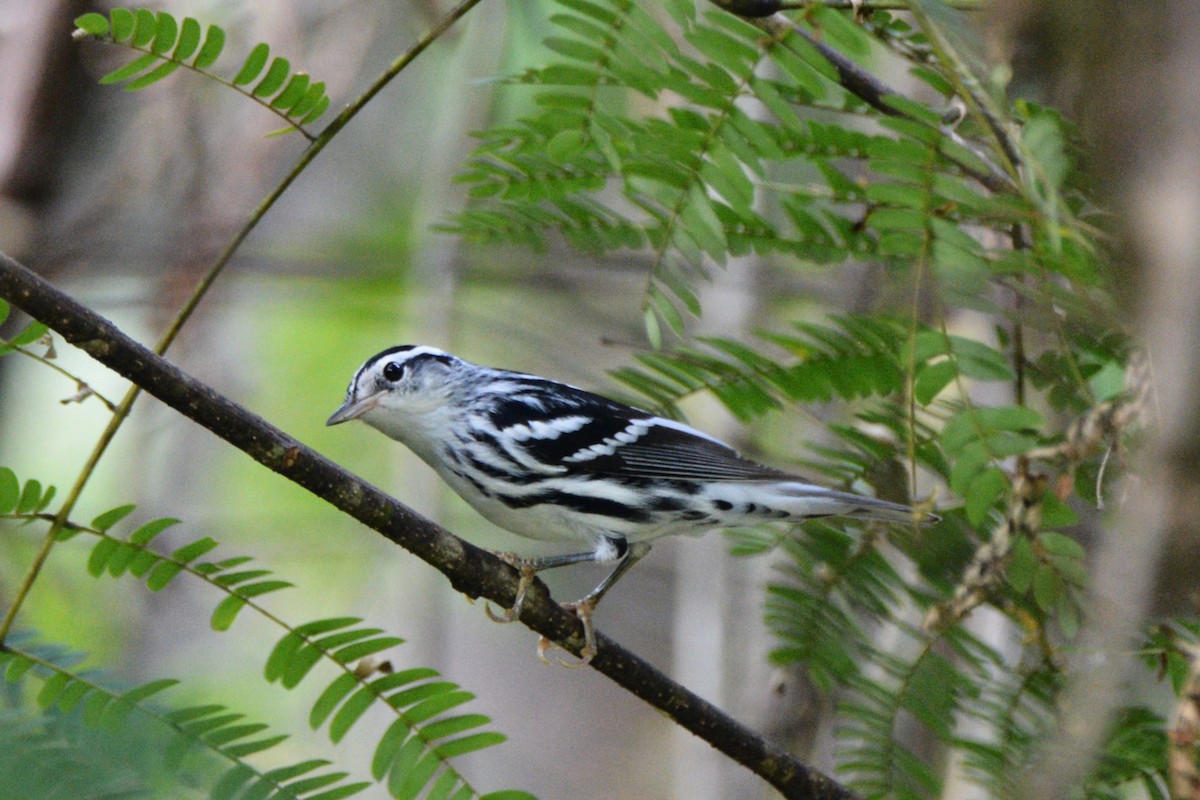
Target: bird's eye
[(393, 371)]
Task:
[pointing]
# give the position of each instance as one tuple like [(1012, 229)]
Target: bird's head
[(393, 387)]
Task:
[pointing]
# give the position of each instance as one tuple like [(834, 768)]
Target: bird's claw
[(527, 575), (583, 610)]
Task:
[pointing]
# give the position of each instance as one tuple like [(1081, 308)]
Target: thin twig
[(85, 390)]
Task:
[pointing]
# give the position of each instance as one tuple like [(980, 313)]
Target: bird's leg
[(528, 572), (529, 568), (585, 606), (636, 552)]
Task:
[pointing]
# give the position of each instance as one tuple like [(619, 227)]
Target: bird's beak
[(352, 409)]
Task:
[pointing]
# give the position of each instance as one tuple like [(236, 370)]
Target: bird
[(553, 462)]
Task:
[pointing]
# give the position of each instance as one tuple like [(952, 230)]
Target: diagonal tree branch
[(470, 570)]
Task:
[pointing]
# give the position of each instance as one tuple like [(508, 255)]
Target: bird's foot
[(582, 609), (528, 572)]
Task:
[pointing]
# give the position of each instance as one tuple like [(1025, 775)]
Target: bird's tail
[(806, 501)]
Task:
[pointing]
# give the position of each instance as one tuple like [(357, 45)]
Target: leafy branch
[(414, 750), (168, 44), (211, 727)]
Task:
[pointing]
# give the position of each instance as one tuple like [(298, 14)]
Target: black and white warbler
[(552, 462)]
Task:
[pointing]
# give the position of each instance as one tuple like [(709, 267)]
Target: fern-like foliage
[(168, 44), (697, 136), (211, 728), (693, 175), (413, 758)]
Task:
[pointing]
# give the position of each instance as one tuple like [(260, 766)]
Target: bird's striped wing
[(589, 434)]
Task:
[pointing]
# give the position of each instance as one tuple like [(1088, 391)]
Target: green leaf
[(931, 379), (292, 93), (389, 747), (1042, 140), (349, 713), (340, 792), (263, 587), (31, 497), (1047, 587), (234, 578), (101, 553), (469, 744), (566, 145), (228, 735), (333, 695), (317, 110), (153, 76), (145, 26), (123, 23), (17, 667), (1061, 545), (306, 785), (287, 773), (47, 496), (970, 423), (276, 74), (226, 612), (93, 23), (288, 647), (312, 95), (214, 43), (985, 490), (244, 749), (72, 695), (299, 666), (441, 703), (452, 725), (29, 334), (231, 783), (10, 490), (129, 70), (360, 649), (408, 697), (146, 533), (146, 690), (252, 67), (111, 517), (166, 34), (93, 708), (189, 39), (653, 332), (190, 552), (843, 33), (141, 563), (52, 688), (407, 784), (446, 783), (386, 683), (162, 574)]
